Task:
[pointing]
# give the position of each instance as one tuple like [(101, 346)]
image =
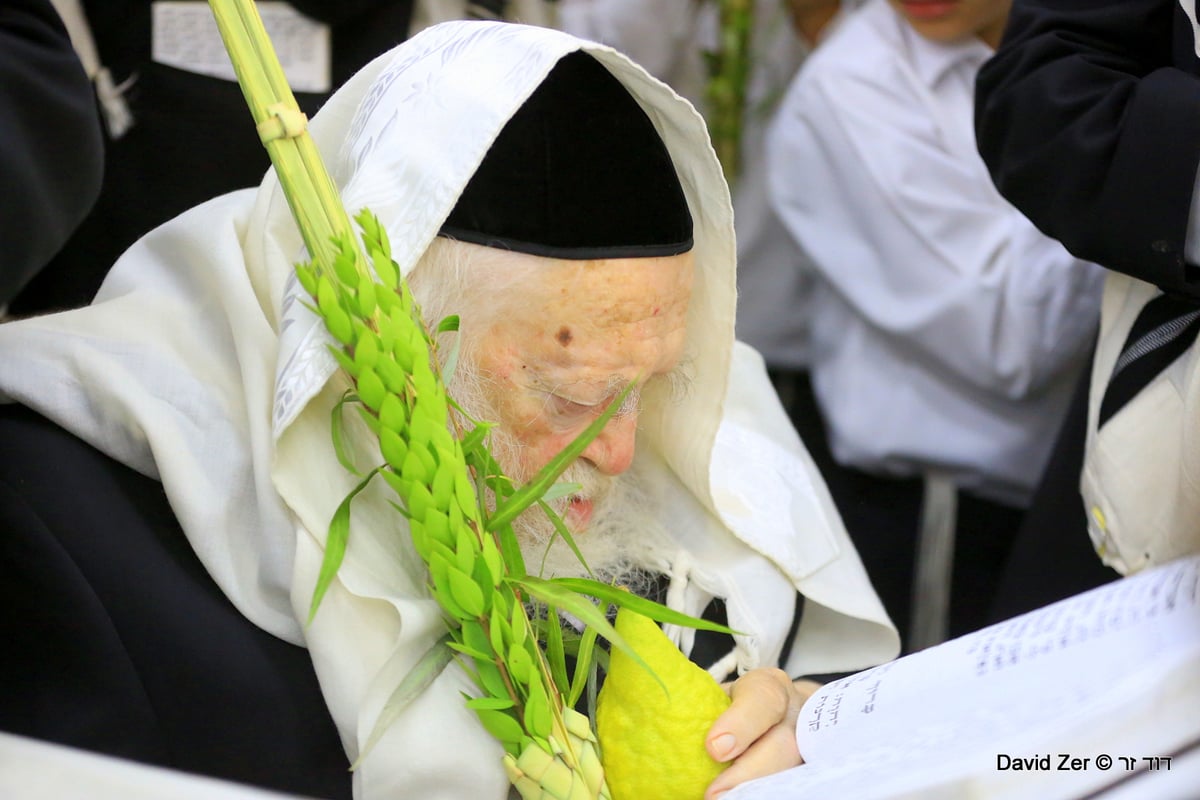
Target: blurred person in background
[(947, 330), (1089, 121), (52, 158)]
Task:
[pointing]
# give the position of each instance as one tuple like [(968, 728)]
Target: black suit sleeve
[(51, 156), (1089, 120), (114, 638)]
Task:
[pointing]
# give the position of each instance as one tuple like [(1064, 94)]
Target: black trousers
[(883, 516), (115, 639), (795, 391), (1052, 557)]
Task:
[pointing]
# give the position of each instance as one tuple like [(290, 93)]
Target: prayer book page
[(1097, 678)]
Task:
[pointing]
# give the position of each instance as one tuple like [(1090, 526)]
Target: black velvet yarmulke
[(579, 172)]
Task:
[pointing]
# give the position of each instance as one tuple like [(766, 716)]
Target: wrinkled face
[(953, 20), (581, 332)]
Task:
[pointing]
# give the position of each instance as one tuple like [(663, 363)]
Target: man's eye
[(569, 408)]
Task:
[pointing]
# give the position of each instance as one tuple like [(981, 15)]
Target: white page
[(1154, 712), (922, 720), (185, 36), (1010, 675)]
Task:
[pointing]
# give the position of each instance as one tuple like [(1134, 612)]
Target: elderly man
[(586, 242)]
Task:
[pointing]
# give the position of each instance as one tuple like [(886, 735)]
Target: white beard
[(622, 544)]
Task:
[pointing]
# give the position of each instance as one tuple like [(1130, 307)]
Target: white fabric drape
[(197, 364)]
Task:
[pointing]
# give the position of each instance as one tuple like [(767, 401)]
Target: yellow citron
[(651, 742)]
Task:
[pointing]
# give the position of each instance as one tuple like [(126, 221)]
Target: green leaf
[(467, 650), (562, 530), (442, 488), (583, 666), (553, 593), (419, 500), (520, 665), (343, 263), (476, 435), (366, 296), (438, 526), (493, 560), (394, 378), (466, 593), (366, 348), (466, 549), (498, 635), (370, 419), (490, 703), (538, 719), (519, 624), (593, 689), (337, 432), (391, 445), (475, 637), (510, 549), (307, 275), (386, 269), (490, 679), (335, 545), (449, 323), (438, 570), (452, 360), (556, 657), (418, 679), (501, 725), (483, 580), (524, 497), (370, 388), (561, 490), (647, 608), (392, 413), (368, 223), (399, 485), (344, 361)]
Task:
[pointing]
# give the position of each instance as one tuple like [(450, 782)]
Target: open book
[(1096, 695)]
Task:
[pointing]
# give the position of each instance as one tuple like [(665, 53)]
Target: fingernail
[(722, 746)]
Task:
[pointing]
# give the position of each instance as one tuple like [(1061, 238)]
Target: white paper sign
[(1189, 8), (185, 36)]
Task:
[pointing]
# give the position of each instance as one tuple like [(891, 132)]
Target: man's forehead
[(613, 290)]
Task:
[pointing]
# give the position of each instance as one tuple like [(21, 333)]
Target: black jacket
[(115, 638), (1089, 120), (51, 150)]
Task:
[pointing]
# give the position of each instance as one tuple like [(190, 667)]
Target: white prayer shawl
[(1141, 470), (199, 365)]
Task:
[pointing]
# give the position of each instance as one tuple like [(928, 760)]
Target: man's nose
[(611, 452)]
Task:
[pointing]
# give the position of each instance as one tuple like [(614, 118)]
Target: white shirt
[(948, 332)]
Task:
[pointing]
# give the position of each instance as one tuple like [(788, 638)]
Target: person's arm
[(1088, 128), (52, 159), (906, 229)]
